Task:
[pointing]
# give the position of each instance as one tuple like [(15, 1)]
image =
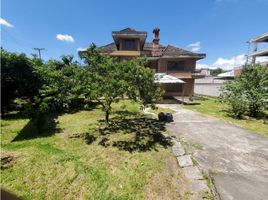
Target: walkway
[(236, 158)]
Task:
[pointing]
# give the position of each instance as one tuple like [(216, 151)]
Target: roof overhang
[(196, 56), (261, 38), (125, 53), (263, 52), (164, 78), (139, 35), (229, 74)]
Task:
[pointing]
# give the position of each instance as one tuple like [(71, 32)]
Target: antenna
[(39, 51)]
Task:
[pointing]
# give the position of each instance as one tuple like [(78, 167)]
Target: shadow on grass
[(142, 133), (30, 131)]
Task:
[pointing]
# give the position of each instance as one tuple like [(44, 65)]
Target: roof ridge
[(128, 28)]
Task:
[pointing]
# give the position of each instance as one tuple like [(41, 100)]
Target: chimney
[(156, 50)]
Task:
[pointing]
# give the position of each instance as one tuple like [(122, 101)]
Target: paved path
[(238, 158)]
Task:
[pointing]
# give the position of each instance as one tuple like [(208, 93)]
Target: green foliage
[(248, 92), (255, 84), (215, 72), (108, 79), (234, 95), (19, 79), (61, 83)]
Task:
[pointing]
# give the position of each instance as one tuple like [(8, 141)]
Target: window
[(174, 87), (175, 65), (129, 45)]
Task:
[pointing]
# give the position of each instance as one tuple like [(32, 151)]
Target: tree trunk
[(107, 118)]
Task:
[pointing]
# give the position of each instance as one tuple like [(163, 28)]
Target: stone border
[(193, 173)]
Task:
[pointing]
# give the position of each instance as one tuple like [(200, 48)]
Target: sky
[(218, 28)]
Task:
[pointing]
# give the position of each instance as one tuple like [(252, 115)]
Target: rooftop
[(260, 38)]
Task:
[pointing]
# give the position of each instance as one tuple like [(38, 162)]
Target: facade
[(168, 59)]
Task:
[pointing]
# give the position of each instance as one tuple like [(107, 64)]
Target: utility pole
[(39, 51)]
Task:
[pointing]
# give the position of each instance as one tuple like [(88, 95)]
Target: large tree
[(19, 79), (109, 79)]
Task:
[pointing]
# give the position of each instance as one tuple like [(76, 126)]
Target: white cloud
[(195, 46), (5, 23), (66, 38), (226, 64), (81, 49), (230, 63), (199, 66)]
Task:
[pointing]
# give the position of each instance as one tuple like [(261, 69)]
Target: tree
[(61, 82), (215, 72), (110, 79), (248, 92), (254, 80), (19, 79), (234, 96)]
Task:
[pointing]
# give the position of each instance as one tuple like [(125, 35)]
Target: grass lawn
[(211, 107), (80, 159)]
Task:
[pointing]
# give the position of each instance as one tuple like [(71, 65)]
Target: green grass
[(80, 159), (212, 107)]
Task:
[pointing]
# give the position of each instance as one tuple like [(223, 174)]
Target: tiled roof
[(109, 48), (175, 51), (168, 50)]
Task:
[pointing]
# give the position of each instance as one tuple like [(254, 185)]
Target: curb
[(193, 173)]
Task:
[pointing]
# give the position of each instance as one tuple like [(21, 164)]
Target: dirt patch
[(7, 160)]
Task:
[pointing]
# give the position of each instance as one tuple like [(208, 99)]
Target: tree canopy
[(57, 84), (19, 78), (111, 79), (248, 92)]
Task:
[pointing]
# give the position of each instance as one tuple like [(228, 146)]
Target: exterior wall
[(160, 66), (186, 75), (189, 67), (208, 86)]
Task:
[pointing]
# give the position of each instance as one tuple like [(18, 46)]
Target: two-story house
[(167, 59)]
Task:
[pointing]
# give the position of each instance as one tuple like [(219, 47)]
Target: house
[(164, 59), (256, 52)]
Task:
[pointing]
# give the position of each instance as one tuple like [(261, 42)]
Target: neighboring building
[(168, 59), (205, 71), (257, 53)]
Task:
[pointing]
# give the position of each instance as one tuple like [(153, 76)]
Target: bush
[(248, 92), (234, 96)]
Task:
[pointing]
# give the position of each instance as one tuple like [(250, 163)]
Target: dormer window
[(129, 44)]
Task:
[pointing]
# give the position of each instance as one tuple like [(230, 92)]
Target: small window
[(129, 44), (175, 65)]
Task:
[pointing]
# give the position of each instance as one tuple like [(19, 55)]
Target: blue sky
[(219, 28)]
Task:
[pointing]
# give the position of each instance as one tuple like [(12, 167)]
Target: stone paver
[(199, 185), (185, 161), (238, 158), (178, 150), (192, 173)]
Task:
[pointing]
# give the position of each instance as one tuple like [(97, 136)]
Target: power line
[(39, 51)]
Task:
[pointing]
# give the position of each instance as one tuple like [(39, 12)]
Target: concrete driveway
[(236, 158)]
